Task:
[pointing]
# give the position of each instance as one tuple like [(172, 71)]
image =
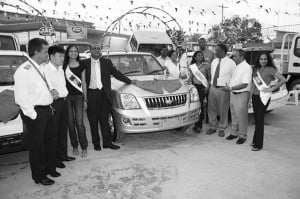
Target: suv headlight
[(128, 101), (194, 95)]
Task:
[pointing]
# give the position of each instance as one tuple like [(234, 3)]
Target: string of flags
[(192, 11)]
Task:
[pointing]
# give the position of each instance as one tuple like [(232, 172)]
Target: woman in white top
[(172, 65)]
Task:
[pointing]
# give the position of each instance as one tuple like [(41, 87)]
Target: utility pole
[(222, 11)]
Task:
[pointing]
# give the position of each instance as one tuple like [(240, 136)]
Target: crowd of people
[(55, 87), (228, 83)]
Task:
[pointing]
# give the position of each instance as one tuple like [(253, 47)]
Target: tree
[(236, 30)]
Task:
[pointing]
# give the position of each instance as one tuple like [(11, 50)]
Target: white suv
[(12, 133)]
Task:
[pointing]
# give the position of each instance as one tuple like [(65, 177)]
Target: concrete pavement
[(174, 165)]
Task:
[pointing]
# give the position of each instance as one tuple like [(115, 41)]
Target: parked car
[(13, 134), (136, 110)]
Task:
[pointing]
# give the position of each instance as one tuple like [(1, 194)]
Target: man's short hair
[(241, 52), (223, 47), (36, 44), (202, 38), (55, 49)]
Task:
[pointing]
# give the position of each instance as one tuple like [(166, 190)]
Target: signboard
[(76, 32), (46, 31), (176, 36)]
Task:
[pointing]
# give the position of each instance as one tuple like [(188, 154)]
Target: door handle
[(296, 64)]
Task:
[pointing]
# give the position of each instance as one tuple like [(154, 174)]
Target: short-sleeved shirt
[(77, 71), (227, 67), (267, 74), (242, 75)]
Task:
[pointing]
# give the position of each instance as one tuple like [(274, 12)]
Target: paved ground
[(174, 165)]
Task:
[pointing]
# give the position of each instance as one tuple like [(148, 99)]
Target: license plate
[(171, 122)]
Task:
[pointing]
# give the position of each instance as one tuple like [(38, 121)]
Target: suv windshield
[(8, 66), (152, 48), (7, 43), (136, 65)]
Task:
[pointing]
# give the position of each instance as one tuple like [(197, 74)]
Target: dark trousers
[(37, 134), (98, 111), (75, 121), (202, 95), (57, 144), (259, 110)]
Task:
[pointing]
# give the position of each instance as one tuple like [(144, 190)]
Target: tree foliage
[(236, 30)]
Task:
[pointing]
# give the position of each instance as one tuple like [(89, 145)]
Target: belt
[(239, 92), (60, 99), (42, 106), (219, 86)]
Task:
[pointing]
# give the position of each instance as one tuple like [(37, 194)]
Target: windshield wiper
[(155, 71), (134, 71)]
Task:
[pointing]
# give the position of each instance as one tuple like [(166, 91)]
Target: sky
[(194, 16)]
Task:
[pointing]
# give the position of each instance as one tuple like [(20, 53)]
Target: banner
[(76, 32)]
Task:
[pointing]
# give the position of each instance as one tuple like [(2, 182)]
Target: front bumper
[(136, 121)]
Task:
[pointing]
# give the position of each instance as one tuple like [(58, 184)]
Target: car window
[(8, 66), (135, 65), (7, 43)]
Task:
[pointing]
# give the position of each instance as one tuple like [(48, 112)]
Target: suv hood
[(121, 87)]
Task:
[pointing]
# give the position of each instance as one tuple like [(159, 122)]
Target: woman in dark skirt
[(263, 73), (73, 72)]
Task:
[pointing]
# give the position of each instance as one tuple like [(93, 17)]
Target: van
[(149, 41)]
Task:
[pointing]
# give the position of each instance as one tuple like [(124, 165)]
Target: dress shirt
[(56, 78), (162, 61), (227, 67), (95, 82), (173, 68), (30, 89), (242, 75)]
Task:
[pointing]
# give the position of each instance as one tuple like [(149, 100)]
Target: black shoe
[(211, 131), (241, 141), (256, 149), (60, 165), (54, 174), (221, 133), (231, 137), (97, 148), (112, 146), (45, 181), (68, 159), (252, 144)]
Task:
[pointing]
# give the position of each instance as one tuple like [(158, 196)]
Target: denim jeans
[(75, 121)]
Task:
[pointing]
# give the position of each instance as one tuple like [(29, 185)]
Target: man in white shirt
[(239, 86), (57, 148), (222, 69), (163, 58), (34, 97)]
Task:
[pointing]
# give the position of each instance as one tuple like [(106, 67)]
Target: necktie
[(217, 72), (98, 74)]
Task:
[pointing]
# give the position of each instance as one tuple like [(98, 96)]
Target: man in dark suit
[(98, 95)]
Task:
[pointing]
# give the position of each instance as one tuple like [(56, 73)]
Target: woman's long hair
[(195, 55), (67, 57), (270, 62)]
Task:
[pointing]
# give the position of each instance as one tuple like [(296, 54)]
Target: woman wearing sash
[(200, 76), (263, 73), (73, 73)]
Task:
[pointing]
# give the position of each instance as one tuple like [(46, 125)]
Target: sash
[(260, 84), (73, 79), (198, 74)]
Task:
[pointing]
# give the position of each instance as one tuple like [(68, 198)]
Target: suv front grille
[(165, 101)]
